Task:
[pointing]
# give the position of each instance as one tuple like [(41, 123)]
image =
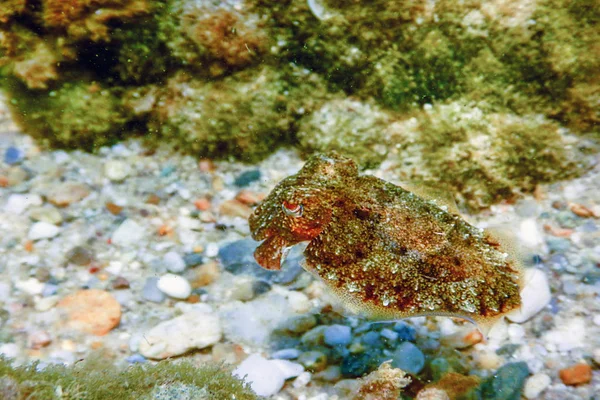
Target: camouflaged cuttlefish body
[(386, 252)]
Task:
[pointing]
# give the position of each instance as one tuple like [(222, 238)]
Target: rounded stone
[(116, 170), (174, 262), (338, 335), (93, 311), (313, 361), (174, 286), (408, 358)]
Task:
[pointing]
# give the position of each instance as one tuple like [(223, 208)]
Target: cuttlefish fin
[(440, 197)]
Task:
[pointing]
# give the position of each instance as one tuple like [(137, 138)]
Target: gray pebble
[(409, 358), (150, 292), (338, 335), (174, 262)]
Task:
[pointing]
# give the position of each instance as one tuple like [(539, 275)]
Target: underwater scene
[(300, 199)]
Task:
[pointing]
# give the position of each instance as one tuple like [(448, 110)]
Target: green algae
[(91, 379)]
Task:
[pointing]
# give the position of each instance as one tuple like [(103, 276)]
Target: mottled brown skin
[(386, 252)]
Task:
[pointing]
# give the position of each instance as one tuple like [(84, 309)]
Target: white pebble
[(30, 286), (299, 302), (534, 296), (174, 262), (174, 286), (128, 233), (4, 292), (212, 250), (17, 203), (9, 350), (193, 330), (42, 230), (568, 335), (529, 233), (116, 170), (45, 303), (266, 377), (302, 380), (535, 385)]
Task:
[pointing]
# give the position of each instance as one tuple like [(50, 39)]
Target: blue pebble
[(389, 334), (405, 331), (507, 383), (558, 245), (151, 292), (371, 338), (192, 259), (338, 335), (356, 365), (286, 354), (50, 289), (408, 358), (247, 177), (136, 359), (13, 155), (167, 170)]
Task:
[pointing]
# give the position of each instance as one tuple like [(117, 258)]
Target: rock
[(439, 367), (174, 262), (356, 365), (286, 354), (93, 311), (4, 291), (120, 283), (174, 286), (313, 361), (193, 259), (390, 335), (206, 274), (135, 359), (195, 329), (247, 177), (42, 230), (238, 258), (332, 373), (129, 233), (266, 377), (577, 374), (67, 193), (535, 385), (314, 337), (79, 255), (432, 394), (38, 339), (465, 336), (30, 286), (235, 208), (567, 336), (338, 335), (300, 324), (13, 155), (47, 214), (507, 383), (405, 331), (9, 350), (408, 358), (534, 296), (116, 170), (151, 292), (17, 203)]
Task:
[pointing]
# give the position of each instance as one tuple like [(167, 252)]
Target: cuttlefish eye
[(291, 209)]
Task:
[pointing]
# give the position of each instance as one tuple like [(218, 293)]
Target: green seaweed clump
[(92, 380), (486, 157)]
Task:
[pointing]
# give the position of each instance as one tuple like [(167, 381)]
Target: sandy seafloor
[(159, 192)]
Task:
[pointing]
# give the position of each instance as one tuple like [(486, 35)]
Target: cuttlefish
[(384, 251)]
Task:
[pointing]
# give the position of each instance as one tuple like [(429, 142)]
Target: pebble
[(286, 354), (38, 339), (405, 331), (80, 255), (174, 262), (129, 233), (337, 335), (356, 365), (206, 274), (174, 286), (432, 394), (47, 214), (136, 359), (17, 203), (408, 358), (195, 329), (535, 296), (332, 373), (4, 291), (116, 170), (93, 311), (9, 350), (42, 230), (193, 259), (300, 323), (151, 292), (266, 377), (30, 286), (577, 374), (535, 385), (313, 361), (389, 334), (235, 208), (507, 383), (66, 193), (465, 336), (120, 282), (247, 177), (13, 155)]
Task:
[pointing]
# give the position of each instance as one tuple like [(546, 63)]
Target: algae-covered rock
[(356, 129), (486, 157), (76, 114), (245, 116)]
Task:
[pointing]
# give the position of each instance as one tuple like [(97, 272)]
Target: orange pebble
[(581, 211), (577, 374), (206, 165), (202, 204), (164, 230), (28, 246), (249, 198), (3, 181)]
